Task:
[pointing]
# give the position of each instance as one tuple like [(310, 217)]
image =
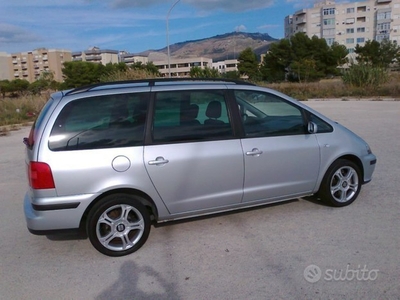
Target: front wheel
[(118, 225), (341, 183)]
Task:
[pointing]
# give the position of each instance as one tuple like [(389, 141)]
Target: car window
[(322, 126), (265, 114), (100, 122), (182, 116)]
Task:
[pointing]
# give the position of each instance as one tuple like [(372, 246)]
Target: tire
[(118, 225), (341, 183)]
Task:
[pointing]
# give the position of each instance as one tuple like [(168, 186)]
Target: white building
[(181, 67), (348, 24), (226, 65), (97, 55)]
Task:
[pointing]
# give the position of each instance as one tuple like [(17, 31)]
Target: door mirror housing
[(312, 127)]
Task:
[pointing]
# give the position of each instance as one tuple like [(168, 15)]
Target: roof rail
[(152, 82)]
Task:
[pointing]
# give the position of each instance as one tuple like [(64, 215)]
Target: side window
[(323, 127), (265, 114), (185, 116), (100, 122)]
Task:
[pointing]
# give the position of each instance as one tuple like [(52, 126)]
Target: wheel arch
[(145, 199), (356, 160)]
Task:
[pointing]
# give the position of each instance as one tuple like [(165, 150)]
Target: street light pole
[(168, 53)]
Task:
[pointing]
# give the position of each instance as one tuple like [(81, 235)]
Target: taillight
[(40, 176)]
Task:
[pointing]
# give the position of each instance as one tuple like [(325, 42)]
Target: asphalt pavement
[(296, 250)]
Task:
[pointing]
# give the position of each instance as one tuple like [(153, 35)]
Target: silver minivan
[(114, 158)]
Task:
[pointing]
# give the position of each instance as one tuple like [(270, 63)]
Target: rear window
[(108, 121)]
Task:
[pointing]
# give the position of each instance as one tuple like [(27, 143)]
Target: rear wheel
[(341, 183), (118, 225)]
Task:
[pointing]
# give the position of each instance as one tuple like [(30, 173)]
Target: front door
[(281, 158)]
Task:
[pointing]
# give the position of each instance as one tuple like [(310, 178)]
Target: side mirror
[(312, 127)]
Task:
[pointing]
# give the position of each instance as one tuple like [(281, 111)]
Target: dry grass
[(20, 110), (335, 88)]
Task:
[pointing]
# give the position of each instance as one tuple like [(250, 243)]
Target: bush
[(129, 74), (364, 75)]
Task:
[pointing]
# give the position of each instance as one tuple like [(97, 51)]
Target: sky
[(134, 25)]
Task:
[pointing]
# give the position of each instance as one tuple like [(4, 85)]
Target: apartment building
[(29, 65), (5, 66), (97, 55), (181, 67), (130, 58), (225, 66), (348, 24)]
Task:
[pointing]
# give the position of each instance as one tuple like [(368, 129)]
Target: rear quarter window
[(100, 122)]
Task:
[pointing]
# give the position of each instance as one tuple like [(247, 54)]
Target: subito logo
[(312, 273)]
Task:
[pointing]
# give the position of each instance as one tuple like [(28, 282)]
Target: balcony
[(300, 21), (384, 1), (93, 57)]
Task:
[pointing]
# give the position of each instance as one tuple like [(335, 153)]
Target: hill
[(219, 47)]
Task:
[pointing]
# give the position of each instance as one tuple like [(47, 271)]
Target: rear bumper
[(45, 215)]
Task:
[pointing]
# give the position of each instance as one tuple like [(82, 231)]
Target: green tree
[(198, 72), (301, 58), (248, 64), (44, 82), (277, 61), (231, 75), (378, 54), (19, 86), (5, 87), (79, 73)]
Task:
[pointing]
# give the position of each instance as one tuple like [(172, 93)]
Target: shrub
[(365, 75)]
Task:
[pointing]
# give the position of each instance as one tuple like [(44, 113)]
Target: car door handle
[(158, 161), (254, 152)]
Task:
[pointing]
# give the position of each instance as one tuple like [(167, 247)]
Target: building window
[(361, 9), (383, 28), (361, 29), (350, 10), (351, 50), (330, 41), (383, 15), (360, 40), (328, 11), (349, 30), (381, 37), (350, 21), (329, 31), (350, 41), (329, 21)]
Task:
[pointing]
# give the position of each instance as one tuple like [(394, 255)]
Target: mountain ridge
[(218, 47)]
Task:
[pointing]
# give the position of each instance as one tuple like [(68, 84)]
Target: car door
[(281, 158), (194, 161)]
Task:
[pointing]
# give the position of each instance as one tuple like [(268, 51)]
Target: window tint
[(265, 114), (100, 122), (190, 116)]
